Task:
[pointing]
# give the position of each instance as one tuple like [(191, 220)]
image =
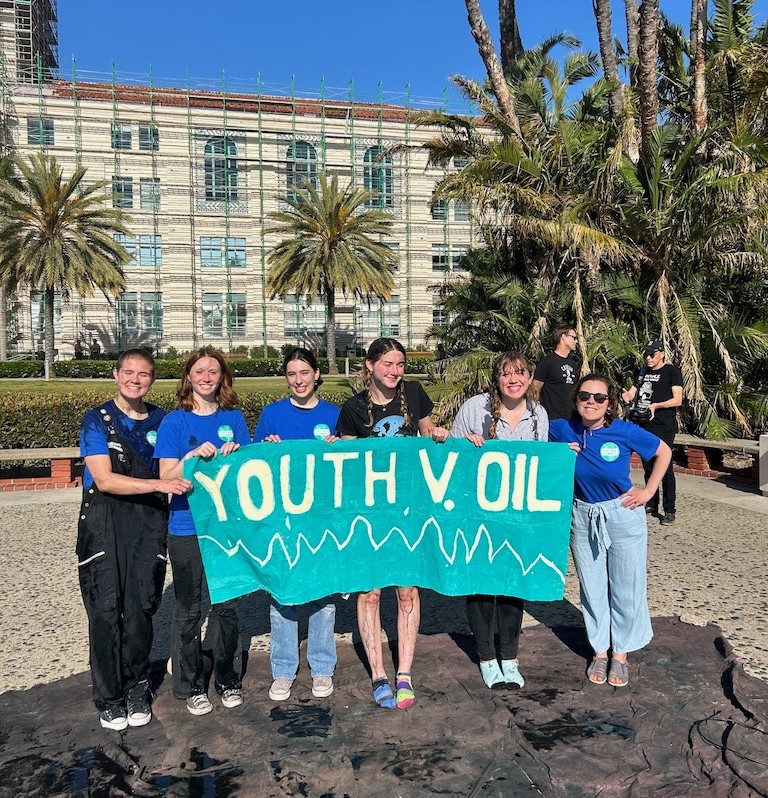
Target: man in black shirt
[(556, 374), (660, 391)]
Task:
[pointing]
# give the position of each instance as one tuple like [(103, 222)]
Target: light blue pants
[(284, 639), (609, 545)]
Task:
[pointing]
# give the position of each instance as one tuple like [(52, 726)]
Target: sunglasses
[(583, 396)]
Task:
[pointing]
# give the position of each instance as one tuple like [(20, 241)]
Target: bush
[(21, 368)]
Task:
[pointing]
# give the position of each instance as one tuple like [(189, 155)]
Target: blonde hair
[(514, 359)]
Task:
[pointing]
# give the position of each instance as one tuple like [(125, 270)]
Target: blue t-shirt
[(602, 466), (294, 423), (139, 433), (180, 433)]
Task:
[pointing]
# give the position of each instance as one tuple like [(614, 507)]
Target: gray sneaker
[(281, 689), (322, 686), (232, 697), (198, 704), (668, 519), (113, 717)]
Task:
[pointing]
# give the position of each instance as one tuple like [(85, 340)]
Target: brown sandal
[(597, 672), (619, 672)]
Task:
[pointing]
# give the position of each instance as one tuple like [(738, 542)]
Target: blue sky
[(398, 42)]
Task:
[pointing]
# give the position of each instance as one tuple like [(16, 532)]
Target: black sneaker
[(113, 717), (668, 519), (138, 706), (651, 510)]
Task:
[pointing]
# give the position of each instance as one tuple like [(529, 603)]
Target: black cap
[(652, 347)]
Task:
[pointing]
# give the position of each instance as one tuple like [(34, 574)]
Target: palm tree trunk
[(3, 324), (698, 59), (330, 333), (648, 55), (49, 321), (511, 43), (633, 35), (496, 77), (602, 9)]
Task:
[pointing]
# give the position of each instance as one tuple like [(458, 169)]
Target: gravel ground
[(709, 567)]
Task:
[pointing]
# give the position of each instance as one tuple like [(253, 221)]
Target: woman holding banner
[(609, 534), (300, 416), (389, 407), (205, 424), (506, 412)]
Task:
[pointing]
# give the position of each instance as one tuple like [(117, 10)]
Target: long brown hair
[(226, 398), (379, 348), (515, 360)]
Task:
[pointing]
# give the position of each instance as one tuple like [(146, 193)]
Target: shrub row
[(54, 420)]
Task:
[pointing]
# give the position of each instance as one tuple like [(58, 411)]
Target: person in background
[(388, 407), (609, 532), (556, 374), (659, 391), (205, 424), (507, 412), (121, 541), (300, 416)]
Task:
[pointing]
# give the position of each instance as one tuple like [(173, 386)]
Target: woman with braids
[(205, 424), (609, 533), (507, 412), (389, 407)]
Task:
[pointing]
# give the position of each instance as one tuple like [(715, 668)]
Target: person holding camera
[(654, 397)]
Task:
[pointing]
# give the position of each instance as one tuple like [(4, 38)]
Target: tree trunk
[(3, 324), (49, 322), (633, 34), (496, 77), (330, 332), (602, 9), (648, 55), (698, 60), (511, 43)]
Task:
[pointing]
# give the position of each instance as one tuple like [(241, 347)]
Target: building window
[(149, 193), (439, 258), (380, 318), (458, 251), (395, 247), (439, 209), (128, 313), (302, 320), (40, 131), (378, 178), (149, 138), (238, 315), (213, 315), (236, 252), (122, 192), (151, 251), (220, 169), (461, 211), (37, 313), (210, 252), (129, 245), (121, 136), (439, 316), (300, 165), (151, 313), (460, 161)]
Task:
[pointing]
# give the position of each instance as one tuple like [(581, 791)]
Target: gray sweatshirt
[(475, 418)]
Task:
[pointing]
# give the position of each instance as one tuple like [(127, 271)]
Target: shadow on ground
[(691, 723)]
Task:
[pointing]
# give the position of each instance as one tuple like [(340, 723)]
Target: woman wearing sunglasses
[(609, 535)]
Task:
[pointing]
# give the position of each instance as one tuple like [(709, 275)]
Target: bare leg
[(369, 623), (408, 618)]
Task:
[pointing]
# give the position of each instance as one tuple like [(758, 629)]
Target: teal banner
[(306, 519)]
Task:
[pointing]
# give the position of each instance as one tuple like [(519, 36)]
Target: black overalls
[(121, 552)]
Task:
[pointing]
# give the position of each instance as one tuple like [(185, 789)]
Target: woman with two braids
[(506, 412), (389, 407)]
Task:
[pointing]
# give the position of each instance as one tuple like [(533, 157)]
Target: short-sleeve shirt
[(141, 434), (182, 431), (602, 465), (559, 375), (294, 423), (475, 417), (388, 421), (656, 386)]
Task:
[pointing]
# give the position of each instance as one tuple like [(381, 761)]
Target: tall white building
[(197, 172)]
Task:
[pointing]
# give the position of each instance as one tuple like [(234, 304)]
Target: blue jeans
[(284, 639)]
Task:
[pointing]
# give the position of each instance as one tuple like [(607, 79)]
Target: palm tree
[(56, 235), (331, 242)]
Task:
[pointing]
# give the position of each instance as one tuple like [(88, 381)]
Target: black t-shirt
[(656, 386), (387, 419), (559, 375)]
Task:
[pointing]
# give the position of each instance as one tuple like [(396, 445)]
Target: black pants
[(668, 484), (186, 643), (480, 614)]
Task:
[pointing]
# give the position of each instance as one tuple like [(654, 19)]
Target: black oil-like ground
[(690, 724)]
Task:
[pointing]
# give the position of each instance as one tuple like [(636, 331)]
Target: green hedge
[(21, 368)]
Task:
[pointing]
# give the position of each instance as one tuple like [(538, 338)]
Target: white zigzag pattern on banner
[(482, 533)]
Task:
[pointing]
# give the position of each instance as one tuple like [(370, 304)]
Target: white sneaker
[(198, 704), (281, 689), (511, 672), (232, 697), (322, 686)]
